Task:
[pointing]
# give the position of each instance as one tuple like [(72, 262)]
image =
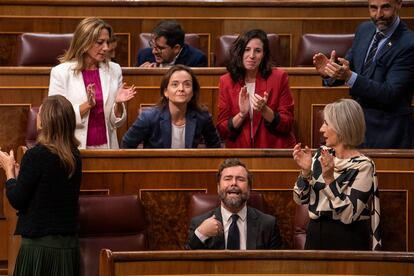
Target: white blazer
[(64, 81)]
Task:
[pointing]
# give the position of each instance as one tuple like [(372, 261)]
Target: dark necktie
[(371, 53), (233, 237)]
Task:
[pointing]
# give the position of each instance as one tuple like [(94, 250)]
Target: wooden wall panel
[(169, 217), (4, 237), (14, 96), (310, 102), (7, 48), (280, 204), (13, 122), (395, 223), (102, 183)]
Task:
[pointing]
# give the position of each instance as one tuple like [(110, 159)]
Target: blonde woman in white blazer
[(93, 85)]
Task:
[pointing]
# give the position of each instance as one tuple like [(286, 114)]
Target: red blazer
[(277, 134)]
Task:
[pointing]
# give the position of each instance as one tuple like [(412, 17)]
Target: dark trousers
[(328, 234)]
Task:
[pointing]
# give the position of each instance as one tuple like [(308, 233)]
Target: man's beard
[(233, 203), (386, 23)]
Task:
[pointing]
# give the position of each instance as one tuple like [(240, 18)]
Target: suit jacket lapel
[(218, 241), (79, 85), (105, 81), (165, 128), (235, 95), (190, 126), (361, 50), (390, 43), (252, 229)]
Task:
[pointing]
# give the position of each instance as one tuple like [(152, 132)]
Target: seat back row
[(38, 49)]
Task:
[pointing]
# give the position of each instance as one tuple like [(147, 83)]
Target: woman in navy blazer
[(177, 121)]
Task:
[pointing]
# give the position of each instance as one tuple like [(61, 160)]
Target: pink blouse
[(96, 124)]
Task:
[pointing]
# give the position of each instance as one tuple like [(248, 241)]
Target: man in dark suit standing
[(167, 48), (379, 69), (234, 225)]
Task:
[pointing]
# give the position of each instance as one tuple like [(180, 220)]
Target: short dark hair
[(235, 66), (171, 30), (234, 162), (193, 104)]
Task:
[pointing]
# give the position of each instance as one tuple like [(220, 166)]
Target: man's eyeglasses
[(157, 48)]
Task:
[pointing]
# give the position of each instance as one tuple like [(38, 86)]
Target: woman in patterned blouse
[(339, 184)]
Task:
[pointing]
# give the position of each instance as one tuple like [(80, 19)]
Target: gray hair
[(346, 117)]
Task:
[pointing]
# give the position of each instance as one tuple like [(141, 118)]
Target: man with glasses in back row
[(167, 48)]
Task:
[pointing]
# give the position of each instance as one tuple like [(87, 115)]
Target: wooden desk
[(21, 88), (164, 180), (282, 262)]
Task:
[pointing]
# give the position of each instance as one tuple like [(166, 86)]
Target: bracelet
[(241, 115), (307, 177)]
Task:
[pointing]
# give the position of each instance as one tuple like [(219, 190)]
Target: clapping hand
[(320, 61), (90, 92), (259, 102), (244, 101), (303, 158), (328, 165), (339, 71), (8, 163), (125, 93)]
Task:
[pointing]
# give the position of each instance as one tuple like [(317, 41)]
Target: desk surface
[(256, 262)]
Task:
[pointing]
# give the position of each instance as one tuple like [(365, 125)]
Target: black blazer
[(153, 129), (262, 231)]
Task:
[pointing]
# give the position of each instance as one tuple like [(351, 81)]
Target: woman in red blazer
[(255, 102)]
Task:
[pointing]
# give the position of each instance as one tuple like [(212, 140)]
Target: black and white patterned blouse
[(353, 196)]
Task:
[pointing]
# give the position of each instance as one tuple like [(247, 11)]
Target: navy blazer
[(262, 231), (386, 91), (189, 56), (153, 129)]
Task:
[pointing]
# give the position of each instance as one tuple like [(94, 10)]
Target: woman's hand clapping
[(8, 163), (244, 101), (303, 158), (259, 102), (328, 166), (90, 93)]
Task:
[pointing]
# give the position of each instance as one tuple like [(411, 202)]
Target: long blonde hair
[(57, 133), (85, 35)]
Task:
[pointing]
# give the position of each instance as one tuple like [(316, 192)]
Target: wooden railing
[(21, 88)]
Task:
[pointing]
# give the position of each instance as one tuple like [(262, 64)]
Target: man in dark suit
[(379, 69), (168, 48), (234, 225)]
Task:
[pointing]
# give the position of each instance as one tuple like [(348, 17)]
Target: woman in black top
[(46, 194)]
